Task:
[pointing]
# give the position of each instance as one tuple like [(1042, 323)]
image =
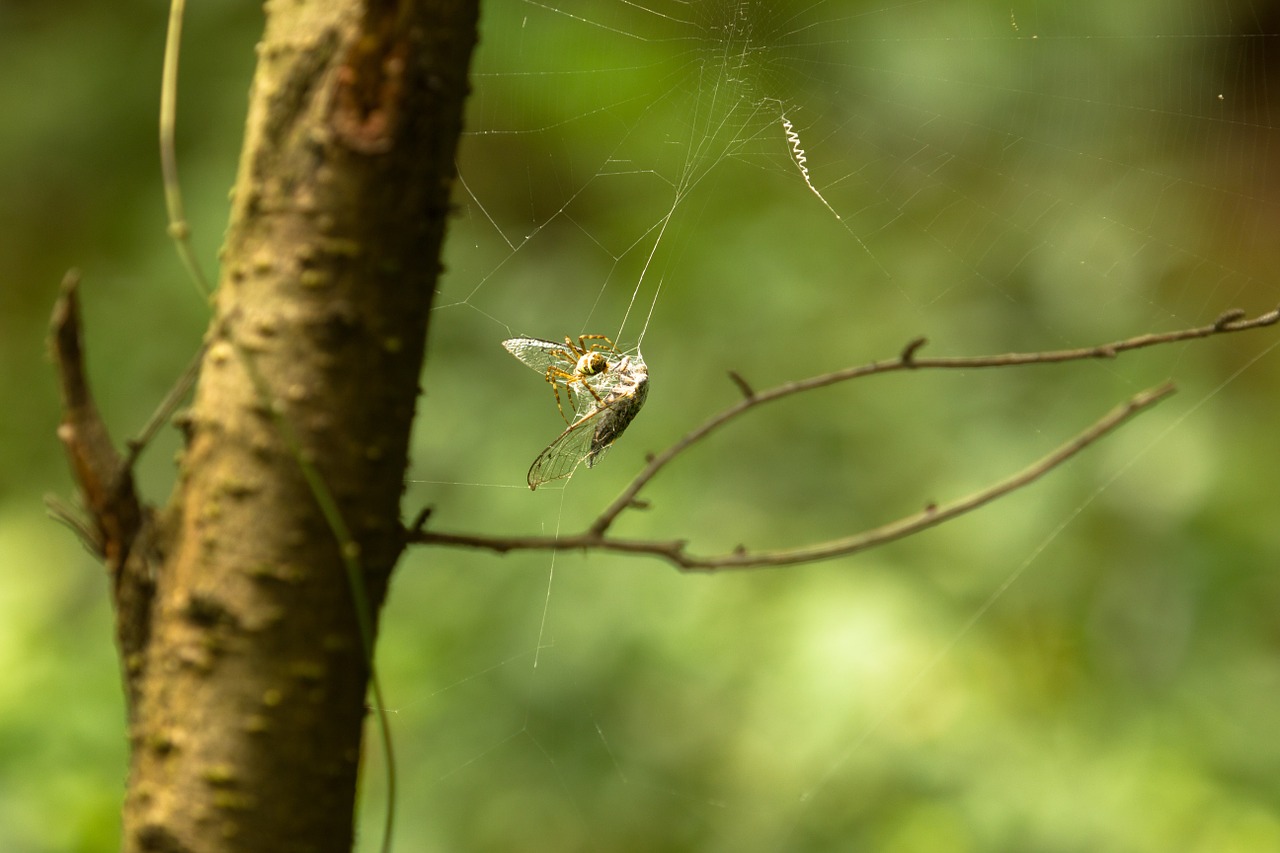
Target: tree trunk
[(243, 655)]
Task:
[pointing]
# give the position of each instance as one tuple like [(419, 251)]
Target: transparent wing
[(540, 354), (581, 400), (591, 435), (584, 392), (566, 453)]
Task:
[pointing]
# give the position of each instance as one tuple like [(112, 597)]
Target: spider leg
[(557, 376), (553, 373), (567, 353), (578, 411), (587, 385), (608, 345), (556, 389)]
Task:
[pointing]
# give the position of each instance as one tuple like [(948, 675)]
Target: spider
[(606, 389), (569, 364)]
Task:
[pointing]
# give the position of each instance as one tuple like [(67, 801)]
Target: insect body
[(605, 390)]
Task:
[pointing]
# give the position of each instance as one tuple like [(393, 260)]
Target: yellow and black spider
[(606, 389), (571, 365)]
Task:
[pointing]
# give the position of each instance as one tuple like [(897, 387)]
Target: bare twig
[(740, 558), (165, 410), (1228, 322), (595, 537), (179, 230), (104, 480), (118, 528), (747, 391)]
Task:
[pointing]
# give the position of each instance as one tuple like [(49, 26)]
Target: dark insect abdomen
[(619, 411)]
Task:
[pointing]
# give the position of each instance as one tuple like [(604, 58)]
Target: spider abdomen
[(591, 364)]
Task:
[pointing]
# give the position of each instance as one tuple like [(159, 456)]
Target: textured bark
[(250, 689)]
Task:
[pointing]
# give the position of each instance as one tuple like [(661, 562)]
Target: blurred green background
[(1088, 665)]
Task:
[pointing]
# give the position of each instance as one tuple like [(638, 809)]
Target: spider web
[(782, 189)]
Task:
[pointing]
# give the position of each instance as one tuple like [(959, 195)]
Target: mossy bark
[(249, 693)]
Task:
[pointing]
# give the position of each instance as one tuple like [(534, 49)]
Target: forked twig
[(1229, 321), (674, 551), (596, 536)]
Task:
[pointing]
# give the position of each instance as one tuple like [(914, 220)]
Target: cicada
[(604, 389)]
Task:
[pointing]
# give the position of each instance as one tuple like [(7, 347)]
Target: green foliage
[(1088, 665)]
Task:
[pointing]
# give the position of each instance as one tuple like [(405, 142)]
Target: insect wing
[(583, 400), (563, 455), (539, 354)]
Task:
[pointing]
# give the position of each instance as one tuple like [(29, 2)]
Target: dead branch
[(595, 537), (117, 528), (674, 551), (1229, 321), (101, 474)]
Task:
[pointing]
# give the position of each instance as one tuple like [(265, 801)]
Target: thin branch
[(595, 537), (674, 551), (1229, 321), (747, 391), (165, 410), (105, 482), (118, 524), (179, 230)]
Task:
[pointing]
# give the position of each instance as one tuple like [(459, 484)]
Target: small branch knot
[(747, 391), (1226, 318), (420, 520), (908, 357)]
